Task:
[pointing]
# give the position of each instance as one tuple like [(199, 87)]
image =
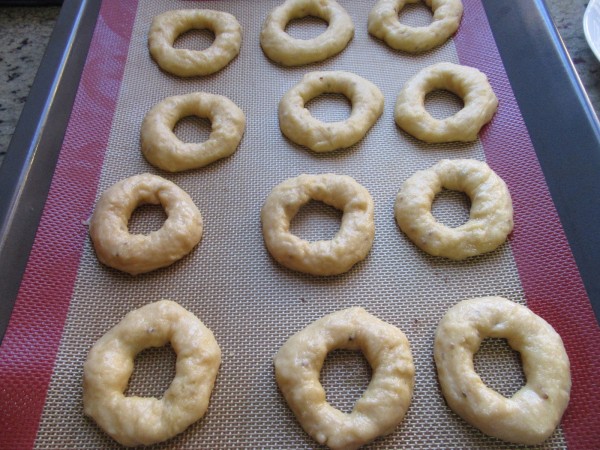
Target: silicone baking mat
[(68, 299)]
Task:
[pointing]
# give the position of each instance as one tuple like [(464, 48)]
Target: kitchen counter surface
[(25, 34), (26, 31)]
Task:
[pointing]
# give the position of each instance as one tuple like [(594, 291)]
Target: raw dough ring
[(532, 413), (297, 123), (287, 51), (145, 420), (168, 26), (480, 103), (350, 245), (139, 253), (384, 403), (491, 215), (164, 150), (384, 24)]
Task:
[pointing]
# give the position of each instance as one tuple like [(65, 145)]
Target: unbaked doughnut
[(384, 24), (490, 219), (138, 253), (297, 123), (531, 415), (384, 403), (164, 150), (146, 420), (350, 245), (168, 26), (480, 103), (287, 51)]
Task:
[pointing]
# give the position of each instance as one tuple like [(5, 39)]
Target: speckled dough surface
[(170, 25), (531, 415), (163, 149), (138, 253), (385, 401), (471, 85), (288, 51), (136, 420), (383, 23), (297, 123), (351, 243), (490, 217)]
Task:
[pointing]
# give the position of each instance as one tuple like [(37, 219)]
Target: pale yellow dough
[(490, 219), (297, 123), (384, 24), (138, 253), (287, 51), (532, 414), (145, 420), (164, 150), (168, 26), (480, 103), (382, 406), (351, 243)]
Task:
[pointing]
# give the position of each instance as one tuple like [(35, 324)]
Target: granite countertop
[(25, 34), (26, 30)]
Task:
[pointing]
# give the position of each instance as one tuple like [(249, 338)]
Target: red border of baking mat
[(31, 342), (551, 281), (29, 349)]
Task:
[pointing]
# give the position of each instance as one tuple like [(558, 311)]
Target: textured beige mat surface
[(230, 282)]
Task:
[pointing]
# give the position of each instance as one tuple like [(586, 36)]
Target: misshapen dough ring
[(351, 243), (146, 420), (532, 413), (384, 403), (480, 103), (164, 150), (490, 219), (285, 50), (384, 24), (139, 253), (168, 26), (297, 123)]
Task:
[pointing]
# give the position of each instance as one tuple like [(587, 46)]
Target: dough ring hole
[(329, 107), (415, 15), (195, 39), (316, 221), (441, 104), (451, 208), (153, 372), (146, 218), (499, 366), (345, 376), (306, 28), (193, 129)]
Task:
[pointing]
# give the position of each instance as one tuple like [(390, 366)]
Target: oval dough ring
[(109, 365), (384, 24), (491, 215), (532, 413), (384, 403), (164, 150), (480, 103), (168, 26), (139, 253), (297, 123), (350, 245), (287, 51)]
